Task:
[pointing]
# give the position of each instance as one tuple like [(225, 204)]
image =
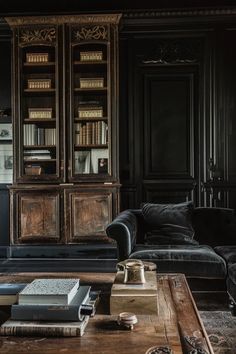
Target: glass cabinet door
[(38, 125), (90, 104)]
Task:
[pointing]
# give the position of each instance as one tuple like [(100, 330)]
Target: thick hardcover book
[(43, 328), (49, 291), (71, 312), (9, 292)]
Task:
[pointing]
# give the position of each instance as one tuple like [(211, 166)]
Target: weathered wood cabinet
[(65, 79)]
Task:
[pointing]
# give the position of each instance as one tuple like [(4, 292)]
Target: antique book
[(39, 312), (9, 292), (49, 291), (43, 328), (96, 55)]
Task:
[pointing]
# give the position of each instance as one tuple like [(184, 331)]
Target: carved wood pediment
[(40, 35), (93, 32), (174, 52)]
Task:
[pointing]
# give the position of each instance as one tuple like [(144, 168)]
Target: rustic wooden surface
[(90, 214), (38, 216), (177, 314)]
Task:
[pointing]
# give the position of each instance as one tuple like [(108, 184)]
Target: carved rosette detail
[(159, 350), (174, 52), (38, 35), (195, 345), (91, 33)]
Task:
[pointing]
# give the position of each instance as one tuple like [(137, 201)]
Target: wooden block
[(140, 299), (148, 288), (138, 304)]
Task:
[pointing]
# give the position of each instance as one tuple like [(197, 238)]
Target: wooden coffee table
[(177, 325)]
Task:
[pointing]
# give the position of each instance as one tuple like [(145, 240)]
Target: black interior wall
[(177, 115), (197, 75)]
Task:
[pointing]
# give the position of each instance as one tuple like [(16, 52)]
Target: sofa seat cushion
[(199, 261), (231, 281), (170, 220), (227, 252)]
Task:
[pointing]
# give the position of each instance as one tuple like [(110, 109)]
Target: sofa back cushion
[(168, 223), (214, 226), (168, 237)]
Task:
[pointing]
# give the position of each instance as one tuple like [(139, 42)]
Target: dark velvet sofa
[(199, 242)]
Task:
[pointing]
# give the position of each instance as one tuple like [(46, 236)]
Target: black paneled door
[(167, 122)]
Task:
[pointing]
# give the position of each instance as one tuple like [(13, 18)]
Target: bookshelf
[(38, 140), (90, 87), (65, 128)]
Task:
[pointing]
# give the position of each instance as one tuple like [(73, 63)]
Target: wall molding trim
[(145, 14)]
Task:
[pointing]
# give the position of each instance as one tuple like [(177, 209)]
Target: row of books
[(34, 135), (51, 307), (91, 133), (41, 154)]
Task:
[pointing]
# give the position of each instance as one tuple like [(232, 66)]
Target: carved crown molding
[(179, 13), (56, 20)]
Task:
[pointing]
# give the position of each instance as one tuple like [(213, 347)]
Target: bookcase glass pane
[(90, 108), (39, 111)]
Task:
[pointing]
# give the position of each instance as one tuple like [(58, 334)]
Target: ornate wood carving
[(195, 345), (90, 33), (174, 52), (38, 35), (159, 350)]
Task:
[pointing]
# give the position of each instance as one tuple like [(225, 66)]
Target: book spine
[(48, 331), (11, 288), (45, 313)]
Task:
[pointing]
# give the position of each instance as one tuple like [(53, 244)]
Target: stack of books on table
[(50, 307)]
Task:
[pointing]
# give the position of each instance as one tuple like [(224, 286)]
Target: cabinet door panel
[(37, 217), (89, 215)]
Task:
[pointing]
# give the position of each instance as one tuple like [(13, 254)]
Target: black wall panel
[(167, 130), (165, 79), (5, 104)]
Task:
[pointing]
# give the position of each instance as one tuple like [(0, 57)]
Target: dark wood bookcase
[(65, 115)]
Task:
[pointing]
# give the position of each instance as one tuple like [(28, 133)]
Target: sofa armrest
[(123, 229)]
